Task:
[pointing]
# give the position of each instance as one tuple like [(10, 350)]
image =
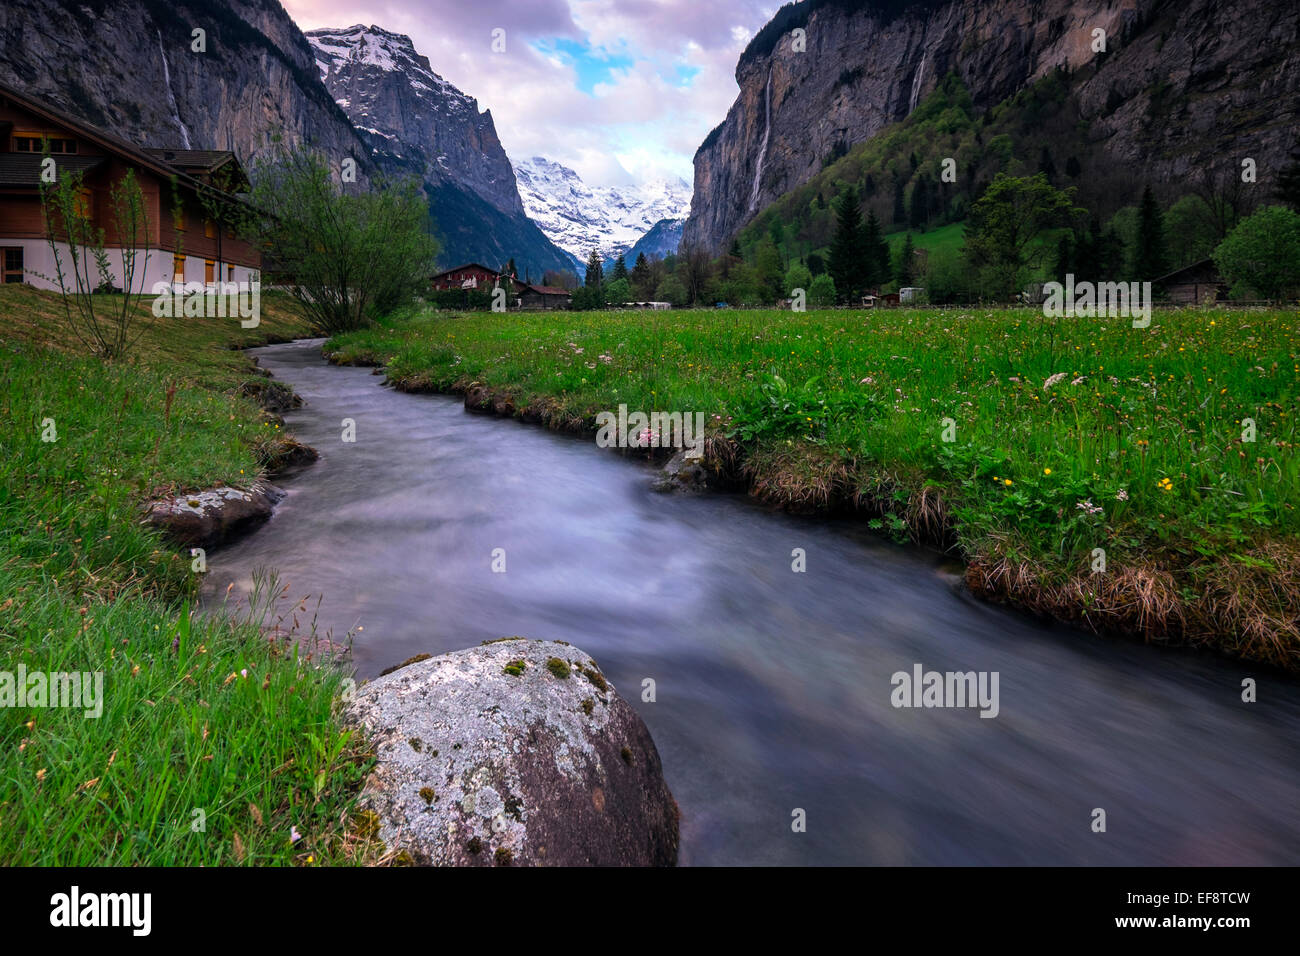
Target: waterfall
[(171, 98), (916, 84), (762, 147)]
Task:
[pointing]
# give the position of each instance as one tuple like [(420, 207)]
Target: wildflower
[(1078, 381), (1121, 495), (867, 381), (1047, 471), (1053, 380), (1164, 484), (1088, 507), (1007, 482)]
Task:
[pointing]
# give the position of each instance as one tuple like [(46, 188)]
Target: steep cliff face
[(409, 113), (1220, 79), (129, 66), (418, 124)]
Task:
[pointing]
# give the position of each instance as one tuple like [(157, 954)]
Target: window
[(178, 217), (209, 228), (32, 143), (13, 264), (209, 271), (230, 273), (178, 268)]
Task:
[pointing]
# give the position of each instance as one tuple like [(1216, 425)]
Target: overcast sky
[(620, 90)]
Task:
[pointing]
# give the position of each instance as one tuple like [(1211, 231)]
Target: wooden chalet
[(1196, 284), (471, 275), (546, 297), (181, 242)]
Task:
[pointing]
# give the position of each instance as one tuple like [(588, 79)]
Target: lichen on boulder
[(207, 519), (518, 769)]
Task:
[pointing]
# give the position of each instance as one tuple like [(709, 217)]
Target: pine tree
[(1045, 164), (1150, 259), (1288, 182), (595, 272), (875, 252), (920, 203), (900, 208), (641, 276), (510, 267), (848, 262), (620, 267), (1064, 258), (906, 262)]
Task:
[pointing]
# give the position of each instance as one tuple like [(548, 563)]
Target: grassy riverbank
[(214, 744), (1069, 436)]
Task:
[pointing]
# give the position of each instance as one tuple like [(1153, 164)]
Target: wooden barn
[(545, 297), (1197, 284), (177, 219)]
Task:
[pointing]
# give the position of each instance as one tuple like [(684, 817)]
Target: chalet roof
[(24, 169), (106, 141), (208, 159), (1204, 271), (545, 289), (468, 265)]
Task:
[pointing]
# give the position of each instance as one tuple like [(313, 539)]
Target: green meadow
[(216, 745), (1035, 448)]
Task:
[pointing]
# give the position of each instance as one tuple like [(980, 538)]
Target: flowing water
[(773, 688)]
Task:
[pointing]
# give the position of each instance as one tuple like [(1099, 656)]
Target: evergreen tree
[(876, 253), (510, 267), (1150, 259), (620, 267), (914, 161), (1064, 258), (1045, 164), (848, 263), (735, 249), (906, 271), (1288, 182), (869, 186), (900, 209), (920, 203), (595, 272), (641, 279)]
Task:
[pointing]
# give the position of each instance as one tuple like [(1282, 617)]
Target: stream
[(772, 688)]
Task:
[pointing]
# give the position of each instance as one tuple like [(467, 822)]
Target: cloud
[(615, 89)]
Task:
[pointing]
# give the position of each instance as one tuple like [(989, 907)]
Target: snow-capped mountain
[(578, 217), (419, 124)]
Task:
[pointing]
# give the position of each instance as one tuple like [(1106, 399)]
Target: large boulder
[(517, 752), (207, 519)]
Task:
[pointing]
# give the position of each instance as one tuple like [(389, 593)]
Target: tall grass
[(216, 744)]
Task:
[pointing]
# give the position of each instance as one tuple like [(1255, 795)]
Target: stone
[(208, 519), (488, 757), (682, 474)]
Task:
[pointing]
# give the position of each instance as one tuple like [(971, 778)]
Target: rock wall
[(1225, 78)]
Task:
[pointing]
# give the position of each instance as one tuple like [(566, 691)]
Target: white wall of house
[(152, 266)]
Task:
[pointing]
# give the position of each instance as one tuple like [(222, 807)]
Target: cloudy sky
[(620, 90)]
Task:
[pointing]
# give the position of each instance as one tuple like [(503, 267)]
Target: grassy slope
[(1198, 527), (85, 588)]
